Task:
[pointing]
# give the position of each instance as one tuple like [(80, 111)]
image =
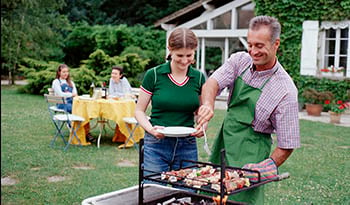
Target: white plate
[(84, 97), (177, 131)]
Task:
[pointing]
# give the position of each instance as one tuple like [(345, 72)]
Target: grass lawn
[(319, 169)]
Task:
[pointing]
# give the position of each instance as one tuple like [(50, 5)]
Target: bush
[(114, 40), (315, 97), (39, 75), (339, 88), (83, 77), (97, 68)]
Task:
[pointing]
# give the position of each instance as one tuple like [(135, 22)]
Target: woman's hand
[(155, 132)]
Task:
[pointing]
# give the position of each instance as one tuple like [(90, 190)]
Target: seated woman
[(118, 87), (65, 87), (118, 84)]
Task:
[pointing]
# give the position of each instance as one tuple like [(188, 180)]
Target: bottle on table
[(104, 90), (92, 89)]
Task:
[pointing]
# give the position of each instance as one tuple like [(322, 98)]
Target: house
[(218, 24), (223, 25)]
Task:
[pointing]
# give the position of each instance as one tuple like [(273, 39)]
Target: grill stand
[(141, 183)]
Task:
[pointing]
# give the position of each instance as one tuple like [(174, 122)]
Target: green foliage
[(213, 58), (134, 67), (339, 88), (39, 75), (79, 44), (83, 77), (99, 61), (31, 29), (151, 41), (97, 68), (316, 97), (114, 40), (336, 106), (102, 64), (132, 12)]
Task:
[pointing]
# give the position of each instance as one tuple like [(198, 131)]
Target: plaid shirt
[(277, 108)]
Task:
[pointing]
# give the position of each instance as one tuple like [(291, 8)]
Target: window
[(244, 14), (223, 21), (325, 49), (201, 26), (335, 48)]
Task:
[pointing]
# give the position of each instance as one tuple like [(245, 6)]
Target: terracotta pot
[(314, 109), (334, 117)]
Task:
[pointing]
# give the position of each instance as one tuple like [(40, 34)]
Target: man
[(263, 100)]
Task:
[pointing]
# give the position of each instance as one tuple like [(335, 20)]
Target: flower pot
[(314, 109), (333, 74), (334, 117)]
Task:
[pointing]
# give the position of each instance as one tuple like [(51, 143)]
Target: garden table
[(108, 109)]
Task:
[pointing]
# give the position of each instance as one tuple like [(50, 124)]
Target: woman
[(118, 84), (118, 87), (64, 86), (174, 89)]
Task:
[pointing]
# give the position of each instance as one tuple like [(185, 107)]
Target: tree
[(115, 12), (30, 28)]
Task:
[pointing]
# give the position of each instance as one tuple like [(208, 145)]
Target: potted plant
[(336, 108), (314, 100)]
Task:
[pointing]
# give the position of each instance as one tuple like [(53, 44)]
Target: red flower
[(346, 104), (339, 102), (341, 107), (324, 70), (327, 102)]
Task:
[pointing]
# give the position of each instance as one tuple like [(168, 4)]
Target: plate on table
[(177, 131), (85, 97)]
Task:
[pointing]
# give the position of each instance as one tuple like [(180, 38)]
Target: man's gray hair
[(271, 22)]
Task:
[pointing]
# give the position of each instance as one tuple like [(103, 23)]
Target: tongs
[(205, 146)]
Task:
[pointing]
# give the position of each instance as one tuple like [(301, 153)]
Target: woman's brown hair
[(120, 70), (182, 38), (60, 67)]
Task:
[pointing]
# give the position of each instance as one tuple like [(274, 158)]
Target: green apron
[(241, 143)]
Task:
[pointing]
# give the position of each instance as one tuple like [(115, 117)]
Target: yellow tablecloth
[(109, 109)]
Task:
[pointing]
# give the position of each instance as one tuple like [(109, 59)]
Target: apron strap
[(155, 75), (245, 70), (263, 85)]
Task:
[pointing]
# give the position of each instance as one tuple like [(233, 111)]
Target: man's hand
[(205, 113), (267, 168), (208, 94)]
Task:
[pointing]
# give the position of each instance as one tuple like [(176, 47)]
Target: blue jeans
[(166, 154), (66, 107)]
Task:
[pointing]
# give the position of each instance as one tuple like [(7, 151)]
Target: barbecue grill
[(154, 194), (157, 177)]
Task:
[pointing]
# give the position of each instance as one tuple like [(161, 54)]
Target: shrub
[(39, 75), (316, 97)]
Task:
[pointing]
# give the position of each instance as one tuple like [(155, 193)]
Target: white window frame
[(337, 26)]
